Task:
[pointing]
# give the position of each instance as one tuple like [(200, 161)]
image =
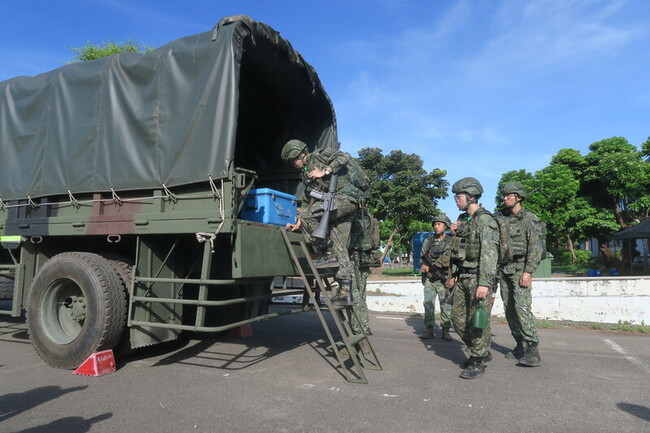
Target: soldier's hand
[(316, 173), (295, 226), (424, 268), (481, 292), (454, 226), (526, 279)]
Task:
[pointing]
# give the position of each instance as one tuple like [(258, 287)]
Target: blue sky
[(475, 87)]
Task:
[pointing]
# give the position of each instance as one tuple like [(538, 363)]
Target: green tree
[(553, 202), (401, 191), (93, 52), (573, 159), (616, 177)]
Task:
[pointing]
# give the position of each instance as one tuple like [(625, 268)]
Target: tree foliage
[(401, 191), (93, 52), (616, 176)]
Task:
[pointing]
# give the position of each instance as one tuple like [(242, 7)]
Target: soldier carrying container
[(474, 253)]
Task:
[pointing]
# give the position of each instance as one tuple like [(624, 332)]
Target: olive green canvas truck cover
[(174, 116)]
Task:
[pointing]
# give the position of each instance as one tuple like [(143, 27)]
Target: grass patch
[(569, 269), (548, 324), (596, 326), (399, 272), (629, 327)]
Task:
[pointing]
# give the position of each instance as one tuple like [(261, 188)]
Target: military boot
[(474, 369), (486, 358), (428, 334), (343, 295), (531, 356), (517, 352), (445, 334)]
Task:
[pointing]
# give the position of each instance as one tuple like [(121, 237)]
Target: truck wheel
[(6, 288), (76, 306)]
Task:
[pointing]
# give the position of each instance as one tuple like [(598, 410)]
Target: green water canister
[(480, 317)]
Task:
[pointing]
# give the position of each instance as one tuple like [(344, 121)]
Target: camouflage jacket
[(525, 242), (483, 231), (434, 247), (338, 161), (437, 250)]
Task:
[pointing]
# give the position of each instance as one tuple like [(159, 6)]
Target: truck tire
[(6, 289), (77, 306), (124, 268)]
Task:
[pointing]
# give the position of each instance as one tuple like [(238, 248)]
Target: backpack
[(505, 253), (357, 175), (364, 238)]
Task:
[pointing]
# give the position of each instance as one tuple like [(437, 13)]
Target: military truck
[(122, 181)]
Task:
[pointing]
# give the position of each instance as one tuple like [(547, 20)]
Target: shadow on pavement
[(641, 412), (69, 424), (451, 350), (17, 403)]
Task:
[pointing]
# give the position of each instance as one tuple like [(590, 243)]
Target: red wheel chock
[(97, 364)]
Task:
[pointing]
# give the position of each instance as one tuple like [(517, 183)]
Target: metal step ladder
[(353, 351)]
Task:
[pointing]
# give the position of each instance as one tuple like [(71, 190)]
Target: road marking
[(390, 318), (636, 361)]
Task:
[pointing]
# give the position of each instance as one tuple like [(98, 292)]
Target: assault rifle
[(434, 271), (329, 204)]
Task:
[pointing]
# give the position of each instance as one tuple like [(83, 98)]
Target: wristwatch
[(327, 171)]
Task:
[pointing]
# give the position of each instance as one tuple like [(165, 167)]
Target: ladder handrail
[(341, 315)]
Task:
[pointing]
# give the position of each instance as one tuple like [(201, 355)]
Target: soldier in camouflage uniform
[(516, 275), (358, 290), (436, 249), (316, 169), (474, 253), (365, 254)]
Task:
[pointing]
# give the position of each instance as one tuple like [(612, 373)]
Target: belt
[(470, 271)]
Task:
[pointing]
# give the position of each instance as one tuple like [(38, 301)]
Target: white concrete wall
[(595, 299)]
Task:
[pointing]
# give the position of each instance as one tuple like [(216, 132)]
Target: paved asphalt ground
[(283, 380)]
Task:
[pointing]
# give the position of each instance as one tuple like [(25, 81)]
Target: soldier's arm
[(331, 160), (488, 232), (335, 159), (533, 241)]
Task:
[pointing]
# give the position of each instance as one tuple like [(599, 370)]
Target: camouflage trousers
[(359, 305), (464, 303), (431, 291), (339, 230), (517, 304)]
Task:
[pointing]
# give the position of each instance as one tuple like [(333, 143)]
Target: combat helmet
[(468, 185), (441, 217), (514, 188), (292, 149)]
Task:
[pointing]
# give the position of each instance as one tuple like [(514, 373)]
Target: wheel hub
[(76, 306)]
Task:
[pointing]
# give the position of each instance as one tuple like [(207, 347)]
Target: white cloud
[(530, 36)]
